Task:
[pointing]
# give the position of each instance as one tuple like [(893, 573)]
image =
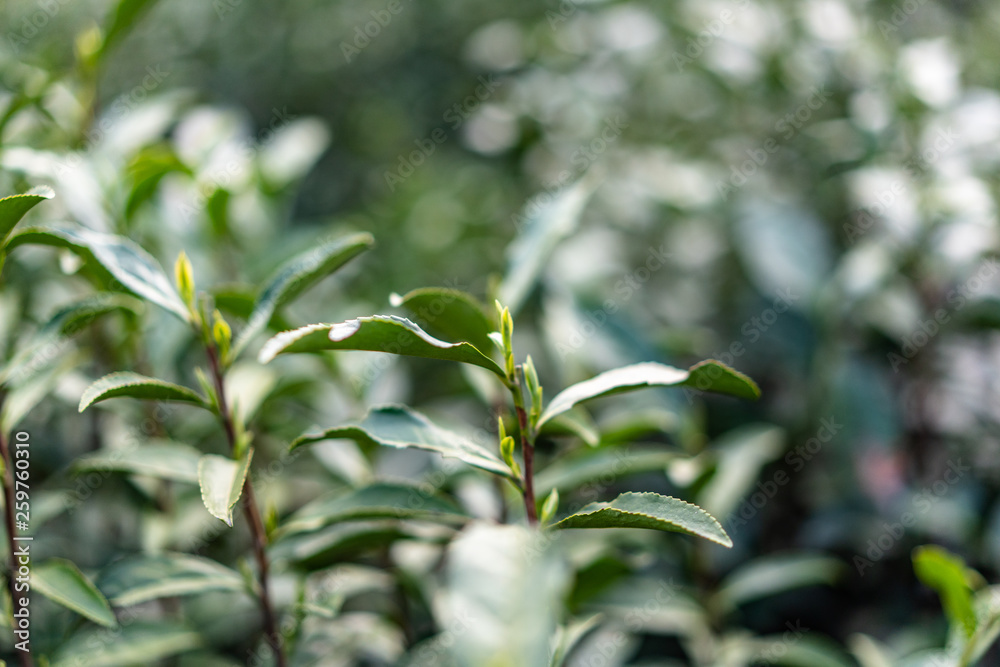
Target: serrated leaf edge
[(607, 506)]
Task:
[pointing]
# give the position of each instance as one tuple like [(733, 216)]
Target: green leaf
[(31, 388), (401, 427), (298, 275), (541, 232), (163, 460), (127, 12), (123, 259), (67, 321), (341, 541), (62, 582), (138, 643), (379, 333), (652, 511), (770, 575), (133, 385), (740, 456), (509, 578), (378, 501), (145, 577), (570, 635), (947, 574), (575, 422), (13, 208), (574, 470), (222, 479), (987, 605), (797, 649), (708, 376), (450, 313)]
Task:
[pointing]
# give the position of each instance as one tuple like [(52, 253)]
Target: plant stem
[(528, 451), (251, 511), (8, 493)]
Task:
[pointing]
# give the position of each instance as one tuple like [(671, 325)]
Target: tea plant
[(396, 426)]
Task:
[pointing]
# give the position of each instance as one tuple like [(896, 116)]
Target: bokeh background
[(805, 190)]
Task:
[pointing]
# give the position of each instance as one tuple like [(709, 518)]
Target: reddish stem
[(252, 512)]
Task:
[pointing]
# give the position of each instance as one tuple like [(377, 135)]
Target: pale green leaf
[(222, 479), (401, 427), (707, 376), (145, 577), (652, 511), (542, 229), (379, 333), (13, 208), (134, 268), (450, 313), (163, 460), (133, 385), (570, 635), (61, 581), (67, 321), (377, 501), (126, 13), (574, 470), (298, 275), (138, 643), (946, 573), (773, 574), (511, 580)]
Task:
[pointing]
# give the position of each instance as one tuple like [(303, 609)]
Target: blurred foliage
[(803, 190)]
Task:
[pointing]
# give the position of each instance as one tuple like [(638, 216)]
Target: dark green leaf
[(62, 582), (708, 376), (379, 333), (401, 427), (133, 385), (152, 576), (652, 511), (298, 275)]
